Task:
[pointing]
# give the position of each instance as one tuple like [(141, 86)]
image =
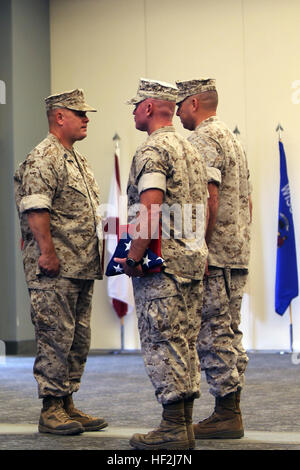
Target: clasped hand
[(131, 272)]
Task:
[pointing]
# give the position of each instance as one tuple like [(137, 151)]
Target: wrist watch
[(132, 263)]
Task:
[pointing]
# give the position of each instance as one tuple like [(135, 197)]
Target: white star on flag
[(127, 245), (146, 260), (118, 269)]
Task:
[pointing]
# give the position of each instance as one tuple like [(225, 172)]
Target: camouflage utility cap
[(154, 89), (73, 99), (193, 87)]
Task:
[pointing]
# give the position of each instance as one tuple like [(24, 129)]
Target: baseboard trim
[(97, 352), (27, 347)]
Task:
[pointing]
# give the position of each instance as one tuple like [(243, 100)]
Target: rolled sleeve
[(213, 175), (34, 202), (38, 185), (154, 180)]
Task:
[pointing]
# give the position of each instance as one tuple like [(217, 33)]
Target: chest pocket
[(74, 178)]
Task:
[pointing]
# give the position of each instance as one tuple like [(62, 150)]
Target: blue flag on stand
[(150, 261), (286, 287)]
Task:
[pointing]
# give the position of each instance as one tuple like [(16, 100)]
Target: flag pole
[(291, 328), (116, 139), (122, 334), (279, 128), (236, 131)]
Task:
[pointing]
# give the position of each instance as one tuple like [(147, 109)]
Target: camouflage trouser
[(168, 312), (220, 348), (60, 313)]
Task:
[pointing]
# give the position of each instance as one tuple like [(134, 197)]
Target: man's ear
[(195, 104), (59, 117), (149, 109)]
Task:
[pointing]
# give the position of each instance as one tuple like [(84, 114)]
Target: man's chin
[(187, 126), (140, 128), (82, 136)]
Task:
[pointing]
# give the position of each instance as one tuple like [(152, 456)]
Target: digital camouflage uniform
[(168, 303), (220, 346), (59, 180)]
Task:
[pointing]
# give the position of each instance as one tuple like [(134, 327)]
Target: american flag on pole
[(119, 288), (286, 286)]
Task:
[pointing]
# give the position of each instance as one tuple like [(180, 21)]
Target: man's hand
[(39, 223), (131, 272), (49, 264)]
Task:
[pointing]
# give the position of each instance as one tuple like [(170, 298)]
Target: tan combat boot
[(225, 422), (55, 420), (188, 414), (171, 434), (89, 423)]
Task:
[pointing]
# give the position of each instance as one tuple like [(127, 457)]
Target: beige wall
[(251, 48), (25, 68)]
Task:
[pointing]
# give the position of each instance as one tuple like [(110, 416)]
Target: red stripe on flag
[(120, 307)]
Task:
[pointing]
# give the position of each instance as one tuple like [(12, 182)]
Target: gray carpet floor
[(116, 387)]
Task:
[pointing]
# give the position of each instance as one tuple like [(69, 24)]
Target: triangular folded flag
[(151, 261)]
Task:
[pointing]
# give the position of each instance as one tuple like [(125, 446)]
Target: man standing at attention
[(57, 199), (167, 172), (220, 348)]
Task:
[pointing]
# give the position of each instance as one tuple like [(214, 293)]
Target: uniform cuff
[(152, 181), (35, 201), (213, 175)]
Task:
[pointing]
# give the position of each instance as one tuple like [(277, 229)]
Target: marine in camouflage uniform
[(222, 355), (57, 181), (168, 162), (168, 303)]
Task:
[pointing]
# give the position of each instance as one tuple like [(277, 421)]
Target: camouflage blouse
[(167, 161), (230, 242), (60, 180)]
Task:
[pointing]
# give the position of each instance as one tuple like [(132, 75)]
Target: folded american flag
[(151, 262)]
